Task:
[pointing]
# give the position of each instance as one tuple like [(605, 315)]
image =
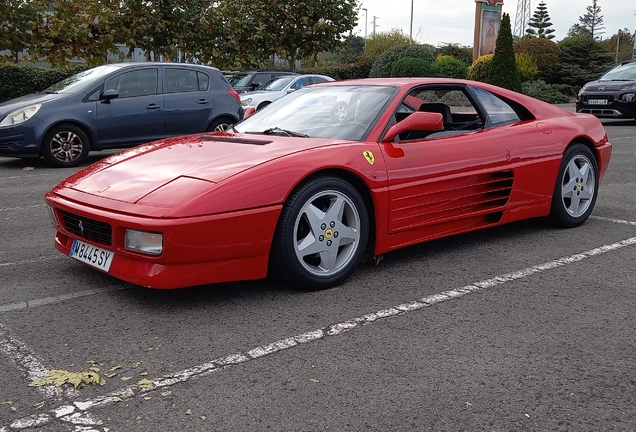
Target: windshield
[(239, 80), (324, 111), (277, 84), (621, 73), (75, 83)]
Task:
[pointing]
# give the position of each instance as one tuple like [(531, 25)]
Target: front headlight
[(246, 102), (52, 216), (20, 115), (144, 242)]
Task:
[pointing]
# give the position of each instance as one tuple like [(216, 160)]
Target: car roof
[(169, 64)]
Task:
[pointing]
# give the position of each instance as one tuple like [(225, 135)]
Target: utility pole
[(618, 45), (374, 24), (366, 14)]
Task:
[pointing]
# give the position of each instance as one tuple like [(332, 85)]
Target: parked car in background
[(611, 96), (249, 80), (276, 88), (116, 106)]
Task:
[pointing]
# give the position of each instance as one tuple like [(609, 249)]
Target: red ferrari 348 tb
[(307, 186)]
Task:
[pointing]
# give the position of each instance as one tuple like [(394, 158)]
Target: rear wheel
[(576, 187), (322, 234), (221, 124), (65, 145)]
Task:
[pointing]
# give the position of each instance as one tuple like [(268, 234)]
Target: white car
[(276, 88)]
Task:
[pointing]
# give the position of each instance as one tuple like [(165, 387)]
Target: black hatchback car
[(613, 95), (116, 106)]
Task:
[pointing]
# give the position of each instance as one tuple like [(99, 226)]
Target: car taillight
[(235, 95), (248, 112)]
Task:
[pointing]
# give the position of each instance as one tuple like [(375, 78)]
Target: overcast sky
[(452, 21)]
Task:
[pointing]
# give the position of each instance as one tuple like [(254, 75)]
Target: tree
[(545, 54), (383, 41), (621, 44), (16, 27), (304, 29), (583, 60), (503, 71), (578, 31), (539, 25), (90, 37), (351, 49), (593, 20)]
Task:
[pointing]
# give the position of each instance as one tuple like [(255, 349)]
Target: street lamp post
[(366, 13), (411, 30)]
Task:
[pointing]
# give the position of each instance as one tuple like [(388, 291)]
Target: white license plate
[(91, 255), (597, 101)]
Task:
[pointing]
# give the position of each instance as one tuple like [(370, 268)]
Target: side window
[(499, 112), (300, 83), (459, 114), (181, 80), (316, 80), (135, 83), (204, 81), (94, 96)]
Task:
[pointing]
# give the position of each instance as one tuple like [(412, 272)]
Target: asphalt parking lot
[(518, 328)]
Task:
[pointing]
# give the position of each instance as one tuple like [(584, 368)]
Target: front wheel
[(220, 125), (576, 187), (65, 145), (322, 234)]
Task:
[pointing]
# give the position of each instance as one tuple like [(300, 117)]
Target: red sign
[(490, 2)]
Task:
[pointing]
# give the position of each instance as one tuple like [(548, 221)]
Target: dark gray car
[(116, 106)]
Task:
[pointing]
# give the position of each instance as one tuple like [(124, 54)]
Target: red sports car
[(309, 185)]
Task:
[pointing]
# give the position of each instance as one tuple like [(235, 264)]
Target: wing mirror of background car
[(419, 120), (109, 94), (291, 90), (253, 86)]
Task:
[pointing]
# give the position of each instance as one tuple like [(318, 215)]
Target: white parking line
[(22, 208), (29, 261), (80, 411), (616, 221), (60, 298)]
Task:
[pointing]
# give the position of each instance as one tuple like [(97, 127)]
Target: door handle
[(153, 106), (203, 101)]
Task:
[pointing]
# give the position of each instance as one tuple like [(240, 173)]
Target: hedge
[(20, 80)]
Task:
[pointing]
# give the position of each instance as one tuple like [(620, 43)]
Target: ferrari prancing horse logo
[(368, 155)]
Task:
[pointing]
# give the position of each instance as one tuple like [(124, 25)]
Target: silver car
[(278, 87)]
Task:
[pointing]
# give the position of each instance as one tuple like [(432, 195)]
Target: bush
[(480, 69), (450, 67), (20, 80), (526, 67), (546, 92), (545, 54), (462, 53), (383, 65), (413, 67), (357, 70)]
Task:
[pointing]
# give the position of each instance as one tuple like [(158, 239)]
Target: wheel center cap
[(579, 186), (328, 233)]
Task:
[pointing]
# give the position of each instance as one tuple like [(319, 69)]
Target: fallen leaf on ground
[(39, 405), (145, 383), (117, 399), (189, 412), (77, 379), (6, 403), (313, 380), (107, 375), (125, 378), (28, 169), (143, 373), (147, 397), (114, 368), (202, 417), (166, 393)]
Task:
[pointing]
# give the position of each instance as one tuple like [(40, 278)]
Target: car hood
[(608, 85), (191, 164), (263, 94), (23, 101)]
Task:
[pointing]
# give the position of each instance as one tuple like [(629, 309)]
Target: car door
[(449, 180), (188, 100), (137, 114)]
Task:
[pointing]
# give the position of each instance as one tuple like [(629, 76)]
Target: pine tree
[(593, 20), (541, 22), (503, 71)]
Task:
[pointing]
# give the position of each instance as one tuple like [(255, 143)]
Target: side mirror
[(419, 120), (109, 94), (291, 90), (254, 86)]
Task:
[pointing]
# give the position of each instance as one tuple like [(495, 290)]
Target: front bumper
[(607, 104), (23, 140)]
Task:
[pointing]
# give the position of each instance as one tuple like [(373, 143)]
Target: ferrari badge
[(368, 155)]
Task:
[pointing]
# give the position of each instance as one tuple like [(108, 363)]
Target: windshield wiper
[(284, 132)]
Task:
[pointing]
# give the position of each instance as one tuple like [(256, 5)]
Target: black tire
[(65, 145), (576, 187), (262, 105), (220, 124), (322, 252)]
